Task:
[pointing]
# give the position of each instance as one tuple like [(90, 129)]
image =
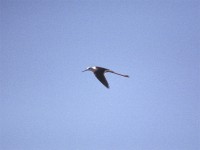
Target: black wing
[(100, 76)]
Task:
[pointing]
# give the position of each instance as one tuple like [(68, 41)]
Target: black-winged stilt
[(99, 73)]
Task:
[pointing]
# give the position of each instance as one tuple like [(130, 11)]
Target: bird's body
[(99, 73)]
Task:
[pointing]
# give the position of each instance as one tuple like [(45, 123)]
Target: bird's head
[(90, 69)]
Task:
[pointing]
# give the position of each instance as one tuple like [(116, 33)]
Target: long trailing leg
[(117, 73)]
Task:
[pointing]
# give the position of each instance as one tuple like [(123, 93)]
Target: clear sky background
[(47, 103)]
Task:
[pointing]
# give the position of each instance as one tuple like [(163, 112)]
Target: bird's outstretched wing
[(100, 76)]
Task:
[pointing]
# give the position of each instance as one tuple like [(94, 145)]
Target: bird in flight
[(99, 74)]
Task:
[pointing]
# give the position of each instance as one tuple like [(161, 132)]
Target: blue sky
[(47, 103)]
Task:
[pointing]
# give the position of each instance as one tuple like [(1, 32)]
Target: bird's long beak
[(85, 70)]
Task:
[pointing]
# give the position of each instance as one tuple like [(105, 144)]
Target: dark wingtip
[(107, 86)]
